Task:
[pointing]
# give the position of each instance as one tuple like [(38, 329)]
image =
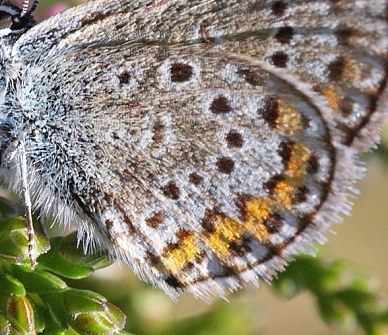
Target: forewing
[(341, 48)]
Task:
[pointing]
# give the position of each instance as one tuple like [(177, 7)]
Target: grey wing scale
[(210, 140)]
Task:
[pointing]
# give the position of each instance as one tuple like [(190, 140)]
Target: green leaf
[(109, 321), (20, 314), (11, 286), (67, 259), (38, 281), (14, 241)]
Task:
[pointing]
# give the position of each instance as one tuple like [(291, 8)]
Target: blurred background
[(361, 240)]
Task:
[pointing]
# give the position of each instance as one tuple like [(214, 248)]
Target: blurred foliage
[(344, 295)]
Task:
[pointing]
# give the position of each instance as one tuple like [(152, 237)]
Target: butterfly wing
[(203, 143), (338, 47)]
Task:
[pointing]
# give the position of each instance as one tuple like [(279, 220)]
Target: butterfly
[(203, 143)]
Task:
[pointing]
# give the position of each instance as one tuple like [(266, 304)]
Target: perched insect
[(203, 143)]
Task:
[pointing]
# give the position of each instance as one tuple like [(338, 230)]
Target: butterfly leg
[(16, 152), (27, 202)]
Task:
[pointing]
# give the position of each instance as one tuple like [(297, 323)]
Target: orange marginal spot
[(226, 230), (351, 70), (332, 98), (256, 211), (296, 166), (289, 120), (258, 208), (183, 252), (284, 193)]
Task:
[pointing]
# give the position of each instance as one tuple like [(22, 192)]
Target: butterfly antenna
[(25, 10)]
